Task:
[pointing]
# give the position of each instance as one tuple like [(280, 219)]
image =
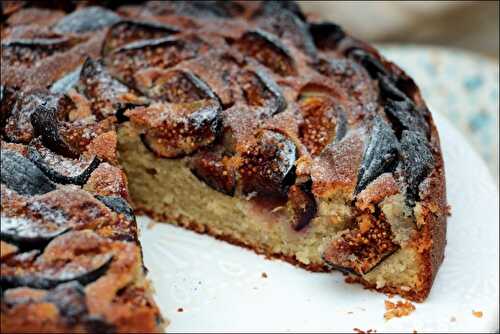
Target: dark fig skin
[(287, 23), (404, 115), (185, 127), (28, 234), (118, 205), (262, 91), (268, 50), (417, 161), (27, 52), (86, 20), (128, 31), (46, 281), (268, 166), (209, 167), (371, 63), (326, 35), (70, 301), (23, 176), (302, 205), (46, 123), (381, 153), (55, 176)]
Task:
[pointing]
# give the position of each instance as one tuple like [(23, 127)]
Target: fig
[(261, 90), (64, 84), (381, 153), (268, 49), (180, 87), (70, 301), (320, 122), (326, 35), (285, 23), (27, 52), (62, 170), (361, 248), (301, 205), (80, 256), (106, 94), (27, 233), (404, 115), (417, 161), (47, 123), (268, 165), (18, 126), (370, 62), (23, 176), (275, 7), (86, 19), (197, 8), (127, 31), (174, 130), (213, 168), (161, 53), (118, 205)]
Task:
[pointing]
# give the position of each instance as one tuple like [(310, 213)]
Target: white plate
[(220, 287)]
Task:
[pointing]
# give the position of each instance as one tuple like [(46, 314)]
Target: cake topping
[(267, 49), (23, 176), (268, 165), (381, 154)]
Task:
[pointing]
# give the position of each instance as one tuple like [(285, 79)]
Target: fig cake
[(247, 121)]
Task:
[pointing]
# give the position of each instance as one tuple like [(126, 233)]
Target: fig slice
[(215, 169), (261, 90), (417, 162), (62, 170), (107, 95), (18, 127), (287, 24), (127, 31), (118, 205), (326, 35), (179, 86), (30, 234), (361, 248), (68, 81), (301, 205), (268, 50), (320, 122), (23, 176), (47, 123), (174, 130), (268, 165), (126, 61), (381, 153), (86, 20), (80, 256), (370, 62), (404, 115), (27, 52)]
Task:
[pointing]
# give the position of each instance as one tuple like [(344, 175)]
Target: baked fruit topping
[(249, 121)]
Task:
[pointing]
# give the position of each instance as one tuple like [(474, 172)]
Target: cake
[(247, 121)]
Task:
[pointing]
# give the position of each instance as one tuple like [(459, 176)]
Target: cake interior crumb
[(399, 309)]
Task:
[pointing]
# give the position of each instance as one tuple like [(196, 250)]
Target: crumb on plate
[(264, 275), (180, 309), (477, 314), (399, 309)]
